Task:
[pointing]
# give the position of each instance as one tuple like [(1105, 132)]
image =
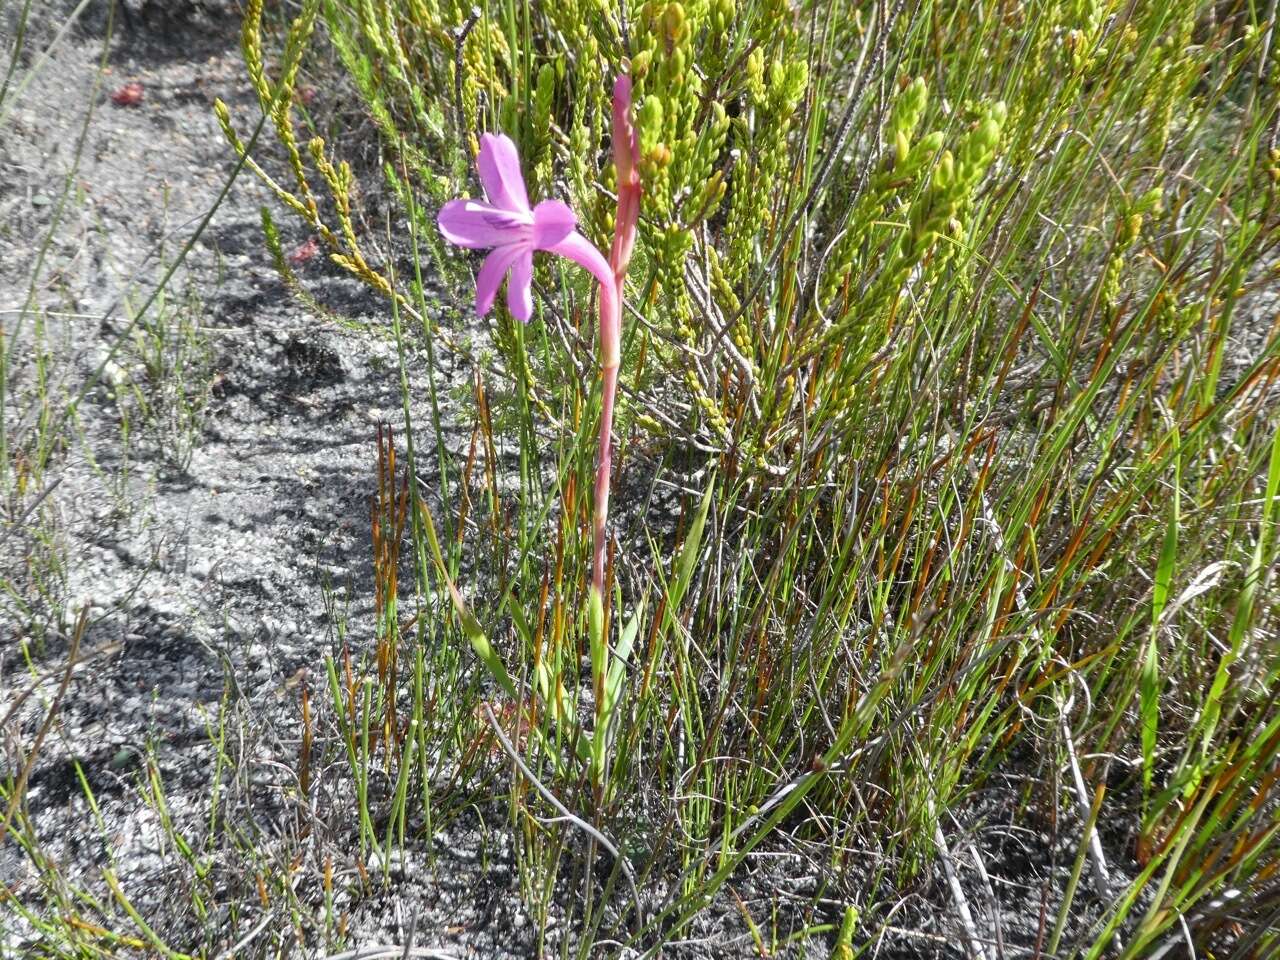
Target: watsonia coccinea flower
[(505, 224)]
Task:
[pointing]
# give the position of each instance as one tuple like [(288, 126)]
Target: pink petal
[(552, 222), (500, 174), (519, 287), (621, 94), (580, 250), (491, 274), (470, 223)]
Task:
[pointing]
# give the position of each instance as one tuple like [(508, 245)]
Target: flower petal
[(470, 223), (500, 174), (581, 251), (491, 273), (519, 287), (552, 222)]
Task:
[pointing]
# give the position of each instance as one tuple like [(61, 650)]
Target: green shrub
[(964, 306)]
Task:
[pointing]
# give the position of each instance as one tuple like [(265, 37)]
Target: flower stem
[(610, 358), (603, 469), (625, 153)]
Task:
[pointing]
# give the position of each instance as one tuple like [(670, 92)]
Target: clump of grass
[(952, 344), (167, 374)]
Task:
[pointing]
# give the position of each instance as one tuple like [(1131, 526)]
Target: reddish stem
[(603, 469), (625, 154)]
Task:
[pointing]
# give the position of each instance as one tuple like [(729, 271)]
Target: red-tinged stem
[(603, 469), (580, 250), (610, 358), (625, 155)]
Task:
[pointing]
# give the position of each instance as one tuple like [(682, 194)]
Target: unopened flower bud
[(1151, 202), (676, 63), (945, 174), (1132, 227)]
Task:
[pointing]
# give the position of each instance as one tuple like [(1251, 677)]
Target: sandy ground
[(206, 579)]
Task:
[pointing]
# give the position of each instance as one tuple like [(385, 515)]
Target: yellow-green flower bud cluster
[(1172, 68), (761, 137), (1080, 43), (898, 177), (724, 294), (952, 184), (485, 59), (588, 118), (667, 93), (1128, 229), (906, 114), (681, 135), (720, 21), (931, 208), (1273, 179), (276, 98), (541, 127)]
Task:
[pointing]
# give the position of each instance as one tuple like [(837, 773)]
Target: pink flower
[(506, 224)]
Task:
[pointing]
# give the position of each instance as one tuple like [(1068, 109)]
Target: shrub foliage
[(962, 316)]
